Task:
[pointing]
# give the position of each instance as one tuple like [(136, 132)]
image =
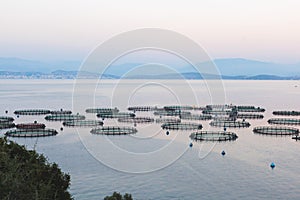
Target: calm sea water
[(150, 164)]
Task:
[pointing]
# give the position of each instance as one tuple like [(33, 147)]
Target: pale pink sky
[(267, 30)]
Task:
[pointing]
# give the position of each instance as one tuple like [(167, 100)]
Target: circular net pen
[(102, 110), (230, 124), (275, 130), (196, 117), (64, 117), (136, 120), (114, 130), (284, 121), (7, 125), (181, 126), (32, 112), (168, 120), (31, 126), (83, 123), (249, 116), (61, 112), (178, 107), (287, 113), (213, 136), (31, 133), (170, 113), (141, 108), (249, 109), (4, 119), (115, 115)]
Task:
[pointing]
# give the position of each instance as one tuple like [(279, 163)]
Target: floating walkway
[(61, 112), (249, 116), (284, 121), (218, 112), (32, 112), (31, 132), (83, 123), (287, 113), (182, 126), (196, 117), (114, 130), (64, 117), (213, 136), (230, 124), (4, 119), (178, 107), (249, 109), (275, 130), (136, 120), (7, 125)]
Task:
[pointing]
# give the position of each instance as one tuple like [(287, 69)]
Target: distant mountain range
[(231, 68)]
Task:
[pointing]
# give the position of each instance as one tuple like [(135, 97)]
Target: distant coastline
[(61, 74)]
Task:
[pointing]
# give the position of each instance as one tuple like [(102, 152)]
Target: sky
[(266, 30)]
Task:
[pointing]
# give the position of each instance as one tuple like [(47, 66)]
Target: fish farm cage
[(141, 108), (102, 110), (219, 107), (32, 112), (31, 132), (171, 113), (249, 116), (83, 123), (4, 119), (114, 130), (116, 115), (181, 126), (178, 107), (6, 125), (196, 117), (223, 118), (218, 112), (213, 136), (287, 113), (230, 124), (168, 120), (275, 130), (136, 120), (64, 117), (284, 121), (249, 109), (61, 112), (31, 126)]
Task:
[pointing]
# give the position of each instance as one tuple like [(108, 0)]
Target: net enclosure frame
[(171, 113), (181, 126), (230, 124), (7, 125), (284, 121), (64, 117), (32, 112), (178, 107), (276, 130), (136, 120), (61, 112), (114, 130), (218, 112), (213, 136), (249, 109), (83, 123), (287, 113), (249, 116), (31, 132)]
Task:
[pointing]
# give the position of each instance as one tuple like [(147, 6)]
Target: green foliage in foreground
[(118, 196), (25, 174)]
